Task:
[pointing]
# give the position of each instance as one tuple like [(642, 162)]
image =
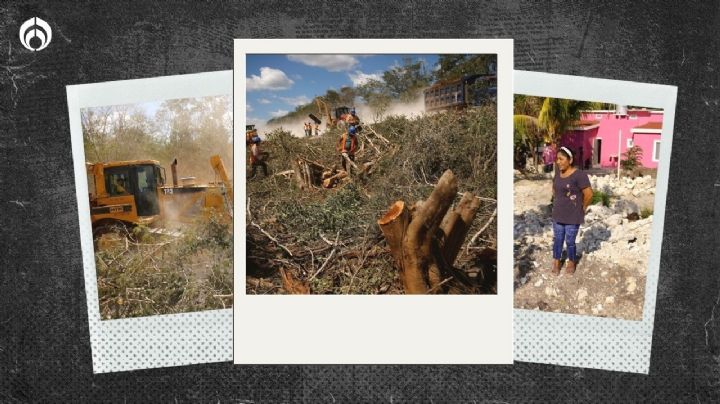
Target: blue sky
[(276, 84)]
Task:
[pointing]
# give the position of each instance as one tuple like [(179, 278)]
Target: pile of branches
[(140, 273), (309, 235)]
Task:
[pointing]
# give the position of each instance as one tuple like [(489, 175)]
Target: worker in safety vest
[(353, 120), (257, 158), (346, 146)]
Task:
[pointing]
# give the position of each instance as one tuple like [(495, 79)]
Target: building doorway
[(597, 148)]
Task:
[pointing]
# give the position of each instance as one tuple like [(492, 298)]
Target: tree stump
[(308, 173), (425, 240)]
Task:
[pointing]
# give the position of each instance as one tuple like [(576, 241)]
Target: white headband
[(566, 150)]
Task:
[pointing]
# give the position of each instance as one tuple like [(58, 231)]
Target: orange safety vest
[(346, 145), (254, 153)]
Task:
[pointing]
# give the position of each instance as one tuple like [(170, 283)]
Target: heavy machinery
[(125, 194), (467, 91), (340, 117)]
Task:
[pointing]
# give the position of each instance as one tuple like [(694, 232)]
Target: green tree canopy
[(455, 66), (405, 82)]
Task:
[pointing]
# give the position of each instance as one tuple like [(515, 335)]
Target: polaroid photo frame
[(152, 341), (379, 329), (596, 342)]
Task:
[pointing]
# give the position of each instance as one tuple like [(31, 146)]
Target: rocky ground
[(613, 246)]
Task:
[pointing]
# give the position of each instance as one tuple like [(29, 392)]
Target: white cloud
[(269, 79), (295, 101), (333, 63), (264, 101), (359, 78), (279, 112), (248, 107)]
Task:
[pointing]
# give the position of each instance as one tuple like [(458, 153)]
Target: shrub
[(153, 275), (632, 158), (420, 150), (646, 212), (600, 197)]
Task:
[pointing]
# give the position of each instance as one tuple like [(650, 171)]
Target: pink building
[(594, 139)]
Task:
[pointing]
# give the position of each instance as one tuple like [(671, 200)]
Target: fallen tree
[(425, 239)]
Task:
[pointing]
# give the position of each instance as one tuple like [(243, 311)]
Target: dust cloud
[(410, 109)]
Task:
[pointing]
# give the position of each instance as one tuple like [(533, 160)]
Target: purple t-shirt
[(568, 201)]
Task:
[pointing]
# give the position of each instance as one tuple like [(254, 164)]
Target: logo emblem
[(35, 34)]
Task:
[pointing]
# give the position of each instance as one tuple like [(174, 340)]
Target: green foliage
[(421, 149), (527, 105), (557, 116), (189, 129), (454, 66), (155, 275), (336, 213), (526, 131), (601, 198), (405, 82), (632, 158), (376, 95), (646, 213)]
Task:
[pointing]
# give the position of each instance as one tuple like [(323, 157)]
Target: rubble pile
[(624, 186), (614, 234), (613, 245)]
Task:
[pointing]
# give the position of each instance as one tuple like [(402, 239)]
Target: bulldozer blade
[(316, 119)]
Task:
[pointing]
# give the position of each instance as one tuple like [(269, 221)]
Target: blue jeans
[(565, 233)]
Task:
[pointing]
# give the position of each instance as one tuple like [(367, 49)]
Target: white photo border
[(586, 341), (153, 341), (352, 329)]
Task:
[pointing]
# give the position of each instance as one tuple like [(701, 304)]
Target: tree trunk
[(425, 240)]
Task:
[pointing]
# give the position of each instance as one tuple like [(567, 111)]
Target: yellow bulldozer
[(343, 115), (126, 194)]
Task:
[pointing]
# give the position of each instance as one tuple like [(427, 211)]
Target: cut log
[(291, 285), (299, 174), (456, 224), (309, 173), (333, 180), (393, 226), (368, 167), (352, 163), (425, 239), (417, 254)]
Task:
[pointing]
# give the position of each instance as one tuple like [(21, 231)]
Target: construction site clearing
[(160, 248), (314, 227)]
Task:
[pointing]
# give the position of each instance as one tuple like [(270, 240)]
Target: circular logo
[(35, 34)]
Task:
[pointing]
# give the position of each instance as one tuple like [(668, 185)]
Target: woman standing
[(571, 197)]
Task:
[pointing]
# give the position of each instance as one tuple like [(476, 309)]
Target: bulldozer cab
[(340, 112), (141, 181)]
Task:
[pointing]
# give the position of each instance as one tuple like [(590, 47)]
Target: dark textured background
[(44, 342)]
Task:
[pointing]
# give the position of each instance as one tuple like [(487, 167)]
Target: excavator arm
[(219, 167), (323, 111)]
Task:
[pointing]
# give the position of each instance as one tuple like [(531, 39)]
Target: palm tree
[(528, 133), (557, 115)]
